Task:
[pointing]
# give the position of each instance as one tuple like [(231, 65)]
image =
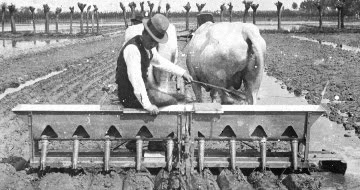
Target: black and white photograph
[(180, 95)]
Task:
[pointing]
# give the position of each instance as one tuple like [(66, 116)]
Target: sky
[(176, 5)]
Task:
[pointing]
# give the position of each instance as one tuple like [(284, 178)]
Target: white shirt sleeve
[(132, 58), (165, 65)]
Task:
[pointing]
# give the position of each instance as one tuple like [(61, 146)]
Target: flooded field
[(14, 45)]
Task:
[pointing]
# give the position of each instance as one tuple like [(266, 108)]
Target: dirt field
[(304, 67)]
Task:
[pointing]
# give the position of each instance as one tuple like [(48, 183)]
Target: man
[(134, 61), (132, 67)]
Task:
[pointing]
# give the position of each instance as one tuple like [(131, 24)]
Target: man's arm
[(165, 65), (132, 58)]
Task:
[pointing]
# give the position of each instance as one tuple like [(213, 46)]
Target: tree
[(340, 7), (222, 10), (247, 7), (319, 6), (307, 6), (142, 10), (46, 12), (71, 18), (187, 8), (96, 18), (159, 9), (230, 10), (81, 7), (12, 11), (200, 7), (124, 14), (57, 13), (151, 7), (254, 7), (3, 10), (132, 6), (278, 7), (92, 21), (355, 7), (167, 10), (87, 18), (294, 5), (32, 10)]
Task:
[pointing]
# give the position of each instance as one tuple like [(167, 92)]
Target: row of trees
[(223, 9), (343, 7), (200, 7), (46, 9)]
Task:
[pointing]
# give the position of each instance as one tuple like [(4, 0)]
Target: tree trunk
[(230, 16), (320, 18), (47, 23), (221, 16), (33, 19), (92, 22), (81, 22), (71, 22), (87, 22), (279, 19), (342, 15), (339, 19), (57, 23), (245, 15), (13, 27), (125, 19), (133, 13), (97, 23), (254, 17), (187, 21), (3, 22)]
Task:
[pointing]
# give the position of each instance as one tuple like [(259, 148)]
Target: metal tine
[(201, 153), (45, 143), (139, 146), (232, 143), (169, 150), (294, 150), (75, 152), (263, 153), (107, 153)]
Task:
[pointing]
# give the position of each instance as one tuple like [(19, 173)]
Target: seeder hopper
[(62, 136)]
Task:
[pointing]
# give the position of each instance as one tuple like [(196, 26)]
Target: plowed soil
[(90, 66)]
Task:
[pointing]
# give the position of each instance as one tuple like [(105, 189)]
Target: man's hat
[(156, 27)]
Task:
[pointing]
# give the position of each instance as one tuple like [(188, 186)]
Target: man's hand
[(154, 110), (188, 78)]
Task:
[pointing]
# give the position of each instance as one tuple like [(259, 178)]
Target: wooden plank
[(55, 108), (172, 108), (64, 108), (211, 108), (273, 108)]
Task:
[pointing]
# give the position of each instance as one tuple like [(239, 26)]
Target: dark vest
[(125, 89)]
